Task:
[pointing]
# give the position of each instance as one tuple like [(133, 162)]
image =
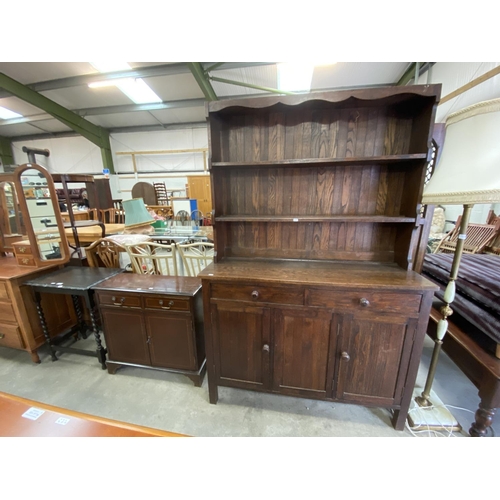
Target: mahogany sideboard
[(153, 321), (19, 324)]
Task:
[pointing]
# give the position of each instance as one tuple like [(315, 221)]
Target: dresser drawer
[(27, 260), (10, 336), (119, 300), (372, 301), (4, 292), (22, 248), (7, 313), (259, 293), (167, 303)]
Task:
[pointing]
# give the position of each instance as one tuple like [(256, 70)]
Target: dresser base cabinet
[(358, 343), (153, 322), (19, 323)]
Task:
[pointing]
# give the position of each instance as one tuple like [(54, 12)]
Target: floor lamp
[(468, 173)]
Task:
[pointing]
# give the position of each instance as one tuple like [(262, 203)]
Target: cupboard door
[(171, 340), (242, 345), (125, 334), (199, 189), (372, 358), (304, 352)]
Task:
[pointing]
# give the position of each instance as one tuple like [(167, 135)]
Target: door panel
[(171, 340), (369, 358), (125, 335), (304, 341), (242, 345)]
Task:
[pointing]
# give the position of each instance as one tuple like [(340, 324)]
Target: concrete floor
[(171, 402)]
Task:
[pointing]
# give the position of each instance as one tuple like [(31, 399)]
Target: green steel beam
[(204, 83), (410, 72), (6, 154), (95, 134), (214, 66), (249, 85)]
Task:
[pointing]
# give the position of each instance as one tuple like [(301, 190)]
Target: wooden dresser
[(19, 323), (153, 322), (317, 201)]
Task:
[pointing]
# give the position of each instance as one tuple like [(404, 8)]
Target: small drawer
[(7, 312), (27, 260), (259, 293), (167, 303), (10, 336), (4, 292), (22, 248), (119, 300), (372, 301)]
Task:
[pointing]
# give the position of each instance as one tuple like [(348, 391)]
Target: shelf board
[(314, 218), (315, 162)]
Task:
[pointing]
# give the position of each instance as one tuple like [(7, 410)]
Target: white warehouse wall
[(78, 155), (452, 76)]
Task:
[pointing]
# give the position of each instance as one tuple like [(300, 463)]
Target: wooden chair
[(479, 236), (112, 216), (195, 256), (197, 218), (104, 253), (93, 215), (153, 258)]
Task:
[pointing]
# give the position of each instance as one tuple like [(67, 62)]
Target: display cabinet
[(316, 200)]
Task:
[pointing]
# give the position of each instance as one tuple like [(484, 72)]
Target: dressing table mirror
[(11, 221), (45, 242)]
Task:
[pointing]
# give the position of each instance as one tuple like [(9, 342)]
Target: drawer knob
[(255, 294), (364, 302), (265, 347), (122, 300), (345, 356), (22, 249), (170, 304), (2, 335)]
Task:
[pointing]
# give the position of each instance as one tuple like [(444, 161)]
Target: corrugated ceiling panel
[(263, 76), (355, 74), (32, 72), (115, 120), (85, 97), (175, 87), (20, 106), (181, 115), (20, 129), (50, 126)]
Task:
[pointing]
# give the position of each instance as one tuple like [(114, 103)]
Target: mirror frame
[(65, 250)]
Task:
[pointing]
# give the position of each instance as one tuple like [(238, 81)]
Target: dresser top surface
[(321, 273), (151, 284)]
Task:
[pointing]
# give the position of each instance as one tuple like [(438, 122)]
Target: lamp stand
[(424, 400)]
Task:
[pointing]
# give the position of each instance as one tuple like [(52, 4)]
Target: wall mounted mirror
[(42, 217)]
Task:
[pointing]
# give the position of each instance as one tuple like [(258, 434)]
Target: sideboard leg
[(483, 420)]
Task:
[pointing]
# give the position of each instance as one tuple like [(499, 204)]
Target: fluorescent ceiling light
[(6, 114), (135, 89)]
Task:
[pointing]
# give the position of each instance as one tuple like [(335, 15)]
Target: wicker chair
[(153, 258), (196, 256), (104, 253)]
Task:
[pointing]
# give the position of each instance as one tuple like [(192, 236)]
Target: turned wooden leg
[(45, 330), (484, 419), (35, 357)]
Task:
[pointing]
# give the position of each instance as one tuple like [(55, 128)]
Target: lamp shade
[(136, 213), (469, 169)]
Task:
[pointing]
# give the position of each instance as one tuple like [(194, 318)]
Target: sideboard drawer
[(4, 292), (166, 303), (372, 301), (259, 293), (119, 300), (10, 336)]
